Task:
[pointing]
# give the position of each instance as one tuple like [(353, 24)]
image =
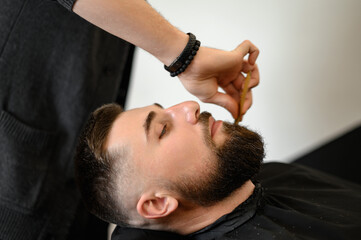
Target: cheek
[(187, 144), (183, 153)]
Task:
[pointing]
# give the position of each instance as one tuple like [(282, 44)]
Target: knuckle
[(247, 42)]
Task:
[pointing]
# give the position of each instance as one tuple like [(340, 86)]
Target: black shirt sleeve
[(68, 4)]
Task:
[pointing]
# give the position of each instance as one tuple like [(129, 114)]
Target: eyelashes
[(164, 131)]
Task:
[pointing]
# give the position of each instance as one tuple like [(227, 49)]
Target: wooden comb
[(243, 98)]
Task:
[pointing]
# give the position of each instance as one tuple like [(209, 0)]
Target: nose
[(187, 110)]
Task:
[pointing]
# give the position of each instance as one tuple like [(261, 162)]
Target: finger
[(254, 82), (225, 101), (238, 83), (248, 67), (248, 102), (247, 47), (254, 74), (231, 90)]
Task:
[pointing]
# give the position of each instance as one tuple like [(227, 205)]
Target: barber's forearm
[(136, 22)]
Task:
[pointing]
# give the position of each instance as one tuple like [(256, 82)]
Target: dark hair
[(95, 166)]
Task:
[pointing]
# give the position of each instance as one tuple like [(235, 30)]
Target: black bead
[(185, 58)]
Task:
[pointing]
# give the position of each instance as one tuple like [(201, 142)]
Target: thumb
[(225, 101)]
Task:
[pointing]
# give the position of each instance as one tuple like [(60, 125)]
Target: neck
[(192, 220)]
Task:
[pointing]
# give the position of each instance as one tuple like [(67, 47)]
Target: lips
[(214, 125)]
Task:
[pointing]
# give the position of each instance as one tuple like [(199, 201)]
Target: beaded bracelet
[(180, 64)]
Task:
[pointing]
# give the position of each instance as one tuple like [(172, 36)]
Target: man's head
[(143, 165)]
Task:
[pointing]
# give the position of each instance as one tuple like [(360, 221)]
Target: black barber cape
[(290, 201)]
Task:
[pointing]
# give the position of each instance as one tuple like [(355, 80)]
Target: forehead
[(128, 127)]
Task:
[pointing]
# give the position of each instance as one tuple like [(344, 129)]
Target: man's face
[(198, 156)]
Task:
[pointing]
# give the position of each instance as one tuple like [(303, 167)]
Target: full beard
[(233, 163)]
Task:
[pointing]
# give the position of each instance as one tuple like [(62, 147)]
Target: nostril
[(197, 114)]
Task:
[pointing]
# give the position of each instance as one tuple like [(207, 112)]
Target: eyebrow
[(158, 105), (148, 121)]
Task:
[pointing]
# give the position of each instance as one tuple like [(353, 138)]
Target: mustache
[(204, 118)]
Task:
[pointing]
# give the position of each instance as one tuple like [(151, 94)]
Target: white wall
[(310, 66)]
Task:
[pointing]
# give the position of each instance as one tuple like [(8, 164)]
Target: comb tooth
[(243, 98)]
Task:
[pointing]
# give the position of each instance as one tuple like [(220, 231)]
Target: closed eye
[(164, 131)]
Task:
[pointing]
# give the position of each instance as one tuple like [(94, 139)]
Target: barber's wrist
[(184, 59), (172, 47)]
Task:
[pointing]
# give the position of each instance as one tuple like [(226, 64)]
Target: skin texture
[(163, 156), (174, 146), (138, 23)]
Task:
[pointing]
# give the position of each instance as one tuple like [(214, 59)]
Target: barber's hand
[(213, 68)]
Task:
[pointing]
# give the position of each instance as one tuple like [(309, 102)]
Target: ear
[(154, 206)]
